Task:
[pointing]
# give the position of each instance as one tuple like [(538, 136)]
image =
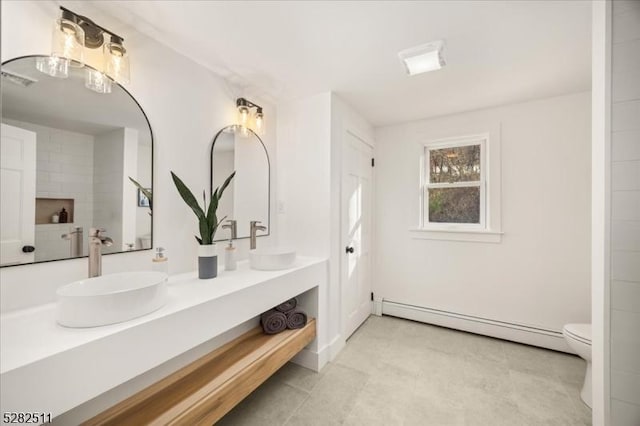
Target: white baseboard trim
[(336, 345), (376, 307), (545, 338), (316, 360), (307, 359)]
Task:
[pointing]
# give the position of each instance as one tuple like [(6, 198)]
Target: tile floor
[(399, 372)]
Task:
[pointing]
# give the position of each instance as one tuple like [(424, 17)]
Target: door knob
[(349, 249), (28, 249)]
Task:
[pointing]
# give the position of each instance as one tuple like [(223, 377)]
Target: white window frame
[(490, 230), (481, 140)]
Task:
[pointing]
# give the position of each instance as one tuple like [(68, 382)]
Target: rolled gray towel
[(273, 322), (287, 306), (296, 319)]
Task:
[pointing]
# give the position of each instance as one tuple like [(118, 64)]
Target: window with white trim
[(454, 190)]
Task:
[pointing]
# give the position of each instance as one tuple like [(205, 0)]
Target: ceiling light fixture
[(423, 58), (76, 40), (244, 117)]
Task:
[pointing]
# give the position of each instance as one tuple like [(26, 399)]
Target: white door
[(356, 232), (18, 186)]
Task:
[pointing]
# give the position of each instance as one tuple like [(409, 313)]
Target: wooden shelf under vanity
[(202, 392)]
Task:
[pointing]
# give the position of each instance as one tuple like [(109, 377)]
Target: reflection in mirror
[(247, 198), (67, 156)]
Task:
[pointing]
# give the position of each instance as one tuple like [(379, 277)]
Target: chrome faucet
[(232, 225), (75, 237), (96, 241), (253, 228)]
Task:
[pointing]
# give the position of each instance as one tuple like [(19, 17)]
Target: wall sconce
[(245, 119), (76, 41)]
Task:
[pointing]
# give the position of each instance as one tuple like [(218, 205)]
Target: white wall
[(303, 188), (250, 187), (115, 196), (223, 166), (539, 274), (185, 113), (109, 152), (128, 190), (304, 140), (143, 176), (600, 209), (310, 137), (625, 214)]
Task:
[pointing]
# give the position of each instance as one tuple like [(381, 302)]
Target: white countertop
[(52, 369), (32, 334)]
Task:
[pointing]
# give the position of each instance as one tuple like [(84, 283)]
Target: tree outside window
[(454, 183)]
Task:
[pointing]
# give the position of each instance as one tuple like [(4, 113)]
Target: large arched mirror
[(70, 157), (247, 198)]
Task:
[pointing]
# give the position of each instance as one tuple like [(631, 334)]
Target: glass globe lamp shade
[(68, 42), (116, 62), (260, 126), (53, 66), (97, 81)]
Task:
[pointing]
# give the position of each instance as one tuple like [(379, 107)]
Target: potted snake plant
[(208, 223)]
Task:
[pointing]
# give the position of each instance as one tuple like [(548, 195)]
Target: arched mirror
[(247, 198), (70, 157)]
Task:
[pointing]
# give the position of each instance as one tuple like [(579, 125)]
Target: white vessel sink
[(271, 259), (110, 298)]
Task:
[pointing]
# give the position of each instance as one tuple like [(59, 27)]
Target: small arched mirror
[(248, 196)]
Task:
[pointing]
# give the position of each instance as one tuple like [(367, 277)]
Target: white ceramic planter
[(207, 261)]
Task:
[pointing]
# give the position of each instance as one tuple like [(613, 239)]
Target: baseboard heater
[(536, 336)]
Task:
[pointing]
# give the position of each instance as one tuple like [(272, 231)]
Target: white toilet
[(578, 336)]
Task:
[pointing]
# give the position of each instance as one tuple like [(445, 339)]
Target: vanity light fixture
[(67, 47), (76, 40), (244, 117), (423, 58)]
